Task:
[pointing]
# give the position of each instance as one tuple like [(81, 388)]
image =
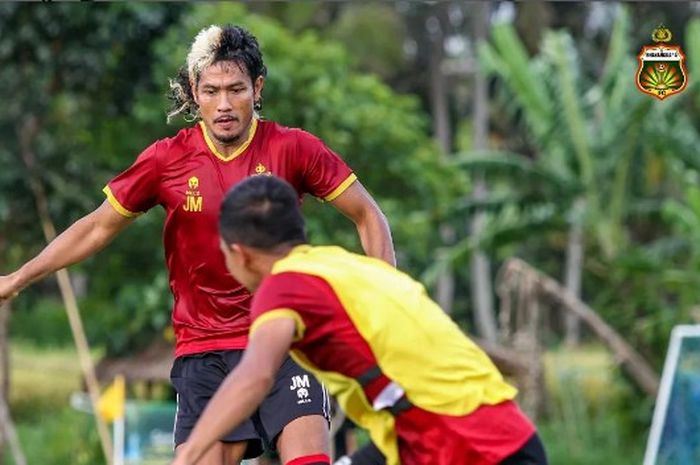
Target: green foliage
[(376, 27), (42, 380), (49, 430), (76, 70), (42, 321), (604, 155), (594, 416), (64, 437)]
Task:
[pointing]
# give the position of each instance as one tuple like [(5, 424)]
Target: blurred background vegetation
[(484, 130)]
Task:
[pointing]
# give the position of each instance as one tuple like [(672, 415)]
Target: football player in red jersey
[(188, 175), (363, 327)]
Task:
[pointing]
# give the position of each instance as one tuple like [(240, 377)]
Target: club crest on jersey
[(193, 199), (261, 170)]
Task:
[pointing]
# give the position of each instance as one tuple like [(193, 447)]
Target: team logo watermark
[(302, 385), (661, 70)]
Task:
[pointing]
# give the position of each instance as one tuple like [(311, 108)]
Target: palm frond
[(692, 39), (515, 167), (618, 47), (507, 58)]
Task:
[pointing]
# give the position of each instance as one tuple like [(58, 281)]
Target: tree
[(589, 134)]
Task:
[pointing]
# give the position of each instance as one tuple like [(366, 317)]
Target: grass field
[(42, 379), (50, 431)]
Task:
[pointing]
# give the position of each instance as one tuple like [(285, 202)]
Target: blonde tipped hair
[(203, 50)]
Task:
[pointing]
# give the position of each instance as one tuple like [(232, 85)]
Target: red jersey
[(188, 177)]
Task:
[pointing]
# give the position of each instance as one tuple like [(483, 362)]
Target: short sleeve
[(136, 190), (277, 298), (326, 175), (308, 300)]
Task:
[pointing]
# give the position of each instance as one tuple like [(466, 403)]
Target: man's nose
[(223, 103)]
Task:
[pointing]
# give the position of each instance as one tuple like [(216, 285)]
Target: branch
[(637, 367)]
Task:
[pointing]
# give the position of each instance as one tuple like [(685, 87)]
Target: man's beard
[(227, 140)]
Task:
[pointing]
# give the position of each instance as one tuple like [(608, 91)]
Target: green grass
[(42, 380), (50, 431), (591, 421)]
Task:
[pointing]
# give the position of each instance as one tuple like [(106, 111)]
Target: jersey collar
[(239, 150)]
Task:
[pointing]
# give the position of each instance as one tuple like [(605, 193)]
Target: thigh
[(195, 379), (296, 395)]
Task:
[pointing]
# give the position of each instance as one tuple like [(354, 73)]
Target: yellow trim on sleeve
[(118, 206), (239, 150), (300, 327), (341, 188)]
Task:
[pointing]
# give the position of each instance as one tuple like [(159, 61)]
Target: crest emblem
[(661, 70), (261, 170), (193, 198)]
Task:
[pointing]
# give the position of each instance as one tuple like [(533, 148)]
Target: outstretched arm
[(243, 389), (81, 240), (358, 205)]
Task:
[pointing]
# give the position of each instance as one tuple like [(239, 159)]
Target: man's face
[(226, 95)]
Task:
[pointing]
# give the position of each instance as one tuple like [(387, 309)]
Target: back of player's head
[(262, 212), (212, 45)]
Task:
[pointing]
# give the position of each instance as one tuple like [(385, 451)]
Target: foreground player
[(188, 175), (397, 364)]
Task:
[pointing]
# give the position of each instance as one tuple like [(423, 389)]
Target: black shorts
[(531, 453), (296, 393)]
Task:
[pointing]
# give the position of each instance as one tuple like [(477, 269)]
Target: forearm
[(79, 241), (375, 236)]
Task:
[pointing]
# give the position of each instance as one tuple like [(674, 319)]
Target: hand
[(8, 288), (183, 455)]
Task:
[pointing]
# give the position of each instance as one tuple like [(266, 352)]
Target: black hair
[(234, 44), (262, 212)]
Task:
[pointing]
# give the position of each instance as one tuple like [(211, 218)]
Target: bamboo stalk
[(27, 134)]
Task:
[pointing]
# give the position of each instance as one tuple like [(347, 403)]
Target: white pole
[(119, 432)]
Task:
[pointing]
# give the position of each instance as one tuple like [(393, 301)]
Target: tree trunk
[(481, 285), (574, 268), (635, 365), (441, 129)]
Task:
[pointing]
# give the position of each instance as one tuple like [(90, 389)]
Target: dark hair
[(229, 43), (262, 212)]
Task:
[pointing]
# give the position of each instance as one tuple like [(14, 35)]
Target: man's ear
[(241, 251), (258, 87)]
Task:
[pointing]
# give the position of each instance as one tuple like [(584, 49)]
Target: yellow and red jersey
[(372, 334), (189, 178)]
